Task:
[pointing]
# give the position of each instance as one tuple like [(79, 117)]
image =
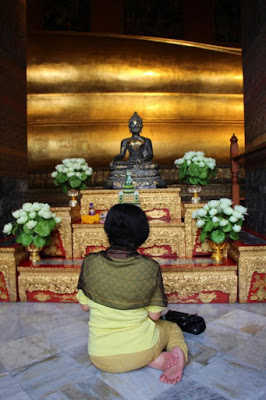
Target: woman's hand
[(85, 307)]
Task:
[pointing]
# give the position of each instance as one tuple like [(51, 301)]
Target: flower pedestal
[(34, 253), (219, 251), (194, 190), (73, 195)]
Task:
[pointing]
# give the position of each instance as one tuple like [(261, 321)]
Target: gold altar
[(189, 275)]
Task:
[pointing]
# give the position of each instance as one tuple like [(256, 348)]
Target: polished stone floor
[(43, 355)]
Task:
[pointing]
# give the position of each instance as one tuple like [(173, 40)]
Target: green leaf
[(27, 230), (83, 176), (182, 170), (203, 236), (208, 227), (56, 182), (15, 228), (25, 239), (227, 228), (216, 224), (234, 235), (61, 177), (43, 228), (203, 181), (239, 222), (64, 188), (48, 240), (193, 180), (83, 186), (203, 173), (218, 236), (52, 223), (213, 172), (193, 170), (39, 241), (74, 182)]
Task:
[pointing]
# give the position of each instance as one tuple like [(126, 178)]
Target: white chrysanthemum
[(8, 228), (69, 174), (189, 155), (200, 154), (202, 164), (54, 174), (88, 171), (232, 219), (195, 214), (237, 214), (213, 211), (228, 210), (27, 207), (236, 228), (78, 174), (223, 222), (200, 223), (16, 214), (241, 209), (59, 167), (32, 214), (202, 212), (206, 207), (58, 220), (225, 202), (31, 224), (45, 206), (36, 206), (215, 219), (22, 220), (47, 214), (213, 203), (188, 162), (179, 161)]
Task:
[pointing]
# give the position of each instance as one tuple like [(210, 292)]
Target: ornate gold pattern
[(258, 289), (193, 280), (190, 227), (63, 280), (65, 228), (156, 214), (9, 259), (250, 259), (149, 199)]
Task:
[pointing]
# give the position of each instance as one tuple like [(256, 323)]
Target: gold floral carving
[(156, 214), (33, 279), (250, 259), (187, 282), (64, 228), (190, 227), (258, 289), (149, 199), (9, 258), (161, 234)]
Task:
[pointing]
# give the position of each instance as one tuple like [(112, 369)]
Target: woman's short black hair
[(126, 224)]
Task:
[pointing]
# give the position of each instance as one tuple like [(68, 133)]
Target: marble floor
[(43, 355)]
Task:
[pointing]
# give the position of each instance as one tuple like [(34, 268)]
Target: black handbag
[(191, 323)]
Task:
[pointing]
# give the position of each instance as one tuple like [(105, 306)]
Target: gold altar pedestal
[(162, 234), (10, 257), (157, 201), (251, 261), (49, 282), (65, 235), (203, 282), (190, 227)]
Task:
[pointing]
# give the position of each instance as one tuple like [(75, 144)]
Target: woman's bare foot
[(174, 373), (166, 359)]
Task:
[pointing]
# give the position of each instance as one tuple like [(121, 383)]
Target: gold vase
[(194, 190), (219, 251), (34, 252), (73, 195)]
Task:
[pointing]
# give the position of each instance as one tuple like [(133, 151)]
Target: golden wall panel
[(82, 90)]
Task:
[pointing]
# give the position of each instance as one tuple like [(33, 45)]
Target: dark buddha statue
[(139, 148), (143, 171)]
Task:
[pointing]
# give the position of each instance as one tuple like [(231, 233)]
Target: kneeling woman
[(124, 292)]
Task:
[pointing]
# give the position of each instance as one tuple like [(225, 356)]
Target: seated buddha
[(143, 171)]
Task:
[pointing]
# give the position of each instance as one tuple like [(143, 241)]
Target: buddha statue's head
[(135, 123)]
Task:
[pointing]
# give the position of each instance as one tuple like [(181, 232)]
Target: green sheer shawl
[(125, 283)]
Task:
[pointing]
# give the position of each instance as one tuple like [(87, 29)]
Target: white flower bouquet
[(73, 173), (33, 224), (195, 168), (219, 221)]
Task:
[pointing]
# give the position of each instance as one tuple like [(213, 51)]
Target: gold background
[(83, 88)]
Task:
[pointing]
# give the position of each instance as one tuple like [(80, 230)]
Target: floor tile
[(10, 390)]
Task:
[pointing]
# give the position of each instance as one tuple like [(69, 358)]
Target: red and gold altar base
[(185, 281)]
